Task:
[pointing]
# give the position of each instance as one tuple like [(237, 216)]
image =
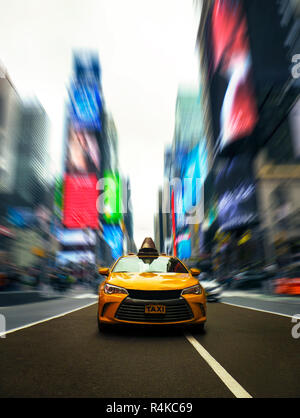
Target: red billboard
[(82, 173), (80, 201)]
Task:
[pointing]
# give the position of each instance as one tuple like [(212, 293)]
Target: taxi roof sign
[(148, 247)]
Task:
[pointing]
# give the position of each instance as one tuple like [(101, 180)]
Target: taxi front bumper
[(118, 309)]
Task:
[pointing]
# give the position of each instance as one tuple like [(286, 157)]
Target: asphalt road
[(284, 305), (22, 308), (243, 353)]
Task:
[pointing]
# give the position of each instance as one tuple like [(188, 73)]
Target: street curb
[(15, 298)]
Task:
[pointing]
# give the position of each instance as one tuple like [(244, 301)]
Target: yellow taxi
[(150, 288)]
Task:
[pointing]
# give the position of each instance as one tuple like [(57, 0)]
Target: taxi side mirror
[(103, 271), (195, 272)]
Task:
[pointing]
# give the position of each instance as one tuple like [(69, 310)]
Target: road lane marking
[(45, 320), (257, 309), (227, 379), (86, 296)]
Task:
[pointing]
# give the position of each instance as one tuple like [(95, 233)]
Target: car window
[(134, 264)]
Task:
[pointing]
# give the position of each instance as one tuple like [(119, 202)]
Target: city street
[(149, 202), (242, 353)]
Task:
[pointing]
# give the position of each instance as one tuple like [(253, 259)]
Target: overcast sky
[(146, 49)]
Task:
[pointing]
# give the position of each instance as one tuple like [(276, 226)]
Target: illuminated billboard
[(236, 188), (80, 201), (113, 236), (58, 197), (184, 249), (210, 201), (83, 157), (86, 106), (234, 108), (194, 172), (184, 245), (76, 237), (112, 197), (21, 217), (83, 153), (80, 183), (65, 257)]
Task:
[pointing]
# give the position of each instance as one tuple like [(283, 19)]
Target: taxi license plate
[(155, 309)]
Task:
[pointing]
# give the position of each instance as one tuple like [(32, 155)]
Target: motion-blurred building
[(90, 195), (26, 201), (180, 203), (128, 228), (10, 108), (82, 162), (252, 125), (158, 225), (30, 209), (32, 169)]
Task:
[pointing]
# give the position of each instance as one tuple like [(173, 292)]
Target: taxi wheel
[(102, 327), (200, 328)]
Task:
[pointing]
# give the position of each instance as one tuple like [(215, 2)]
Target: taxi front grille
[(134, 311), (154, 294)]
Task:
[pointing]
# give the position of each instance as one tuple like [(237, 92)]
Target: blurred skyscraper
[(251, 120), (10, 110), (25, 180), (90, 196), (32, 169), (186, 161)]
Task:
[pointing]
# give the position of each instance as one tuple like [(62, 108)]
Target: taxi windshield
[(149, 264)]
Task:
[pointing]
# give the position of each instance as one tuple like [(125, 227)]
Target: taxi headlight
[(194, 290), (109, 289)]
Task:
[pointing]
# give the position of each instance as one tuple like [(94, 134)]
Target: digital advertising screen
[(184, 249), (76, 237), (112, 197), (194, 172), (210, 201), (294, 120), (80, 201), (58, 197), (113, 236), (184, 245), (80, 192), (21, 217), (83, 153), (236, 188), (65, 257), (233, 101), (178, 208), (86, 106)]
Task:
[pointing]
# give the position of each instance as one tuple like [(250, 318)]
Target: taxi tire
[(200, 328), (102, 328)]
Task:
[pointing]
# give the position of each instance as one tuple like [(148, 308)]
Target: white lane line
[(45, 320), (86, 296), (227, 379), (260, 310)]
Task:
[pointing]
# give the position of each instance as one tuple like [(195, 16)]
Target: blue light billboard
[(113, 236), (86, 106)]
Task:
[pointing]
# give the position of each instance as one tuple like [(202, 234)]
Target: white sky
[(146, 48)]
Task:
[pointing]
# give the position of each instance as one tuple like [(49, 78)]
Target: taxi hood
[(152, 281)]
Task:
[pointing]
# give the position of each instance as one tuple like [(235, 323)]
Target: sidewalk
[(262, 296), (22, 297)]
